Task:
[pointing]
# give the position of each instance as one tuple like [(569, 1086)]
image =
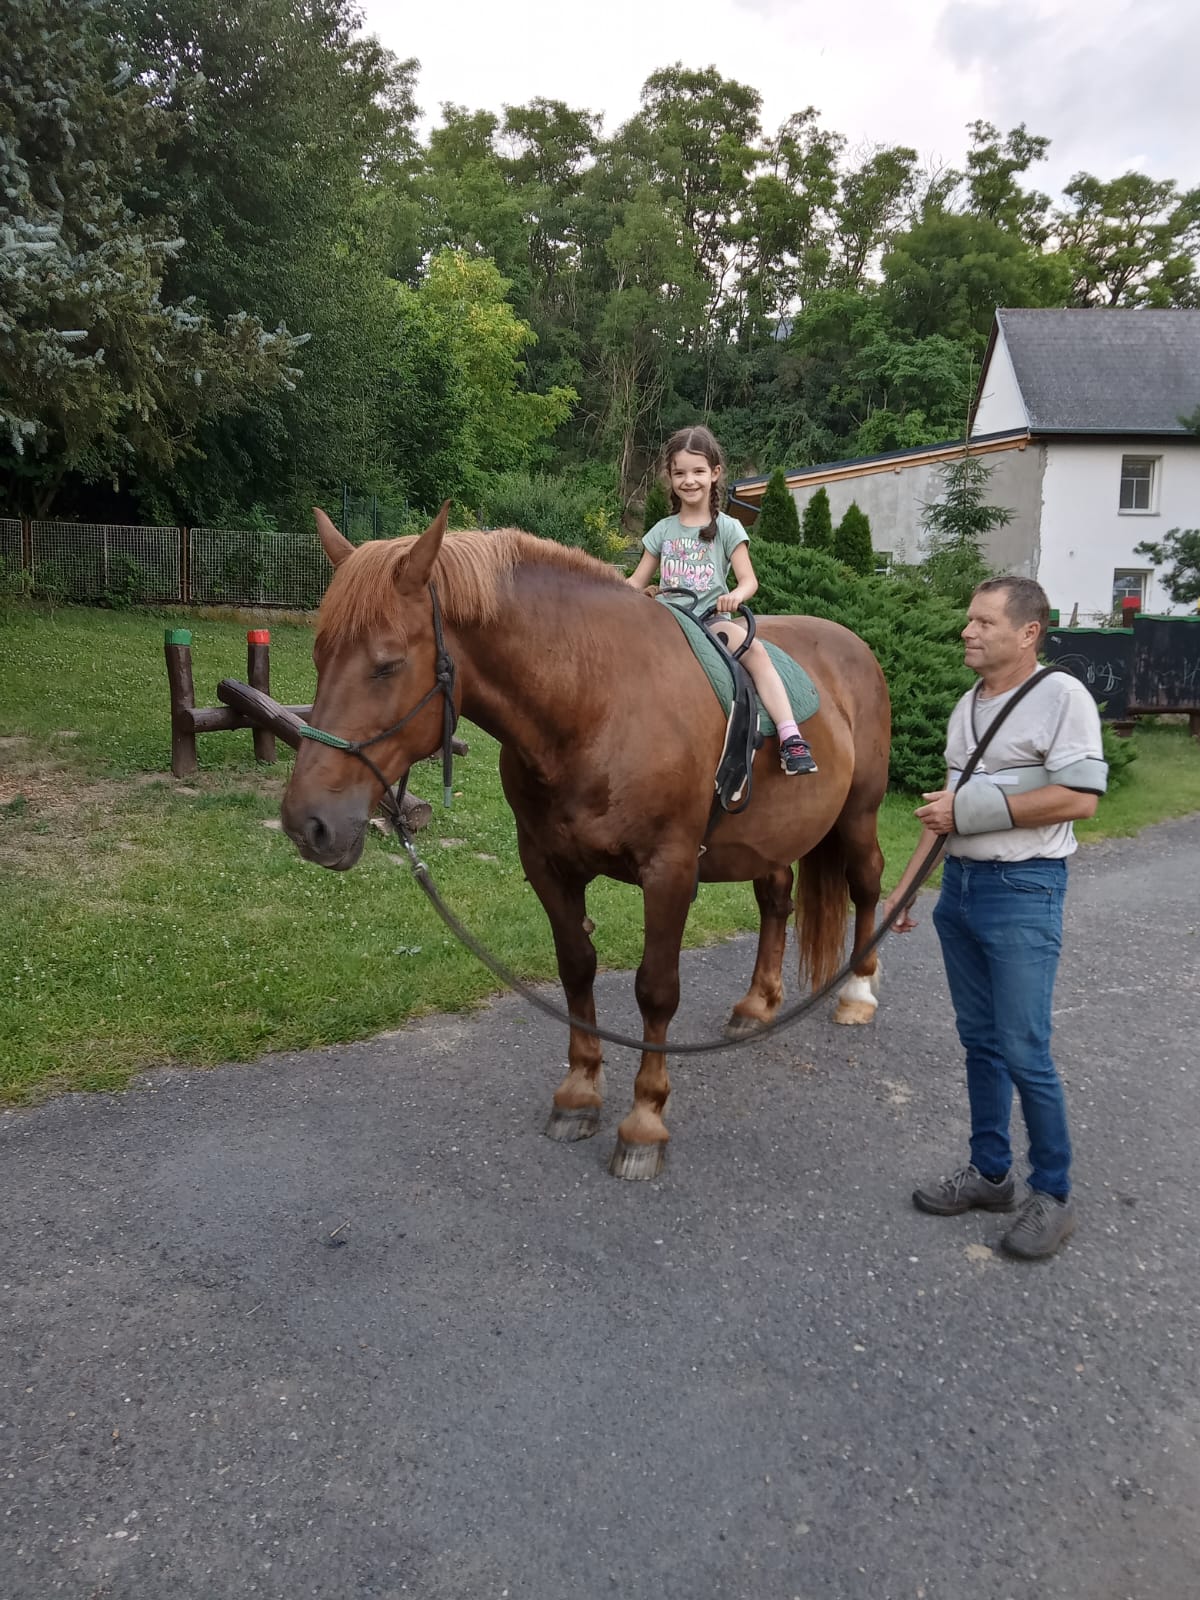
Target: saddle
[(743, 739)]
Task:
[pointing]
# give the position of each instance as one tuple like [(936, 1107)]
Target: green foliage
[(956, 524), (543, 505), (1130, 242), (852, 541), (103, 366), (1119, 753), (1181, 546), (915, 637), (778, 521), (657, 506), (816, 525)]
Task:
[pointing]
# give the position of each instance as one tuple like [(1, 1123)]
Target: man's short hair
[(1024, 601)]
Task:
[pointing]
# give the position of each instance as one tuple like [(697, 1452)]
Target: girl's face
[(692, 479)]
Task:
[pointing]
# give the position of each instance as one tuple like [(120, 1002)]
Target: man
[(999, 915)]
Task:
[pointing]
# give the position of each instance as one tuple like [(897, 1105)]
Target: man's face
[(992, 642)]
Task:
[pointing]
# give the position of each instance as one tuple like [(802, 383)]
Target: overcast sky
[(1111, 83)]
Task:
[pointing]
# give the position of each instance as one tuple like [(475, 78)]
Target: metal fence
[(104, 563)]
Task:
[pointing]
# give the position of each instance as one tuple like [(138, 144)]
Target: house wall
[(1000, 407), (1085, 537), (894, 499)]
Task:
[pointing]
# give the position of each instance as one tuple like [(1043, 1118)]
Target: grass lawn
[(148, 921)]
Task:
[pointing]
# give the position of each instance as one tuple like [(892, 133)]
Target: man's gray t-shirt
[(686, 561), (1055, 725)]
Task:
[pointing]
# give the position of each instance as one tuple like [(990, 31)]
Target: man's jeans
[(1000, 927)]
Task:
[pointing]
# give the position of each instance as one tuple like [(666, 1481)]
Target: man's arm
[(1038, 808)]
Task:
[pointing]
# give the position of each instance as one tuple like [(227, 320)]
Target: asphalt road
[(345, 1324)]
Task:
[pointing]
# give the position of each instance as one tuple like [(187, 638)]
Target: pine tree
[(657, 506), (956, 524), (852, 541), (778, 520), (816, 526)]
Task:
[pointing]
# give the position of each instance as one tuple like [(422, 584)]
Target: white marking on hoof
[(856, 1002)]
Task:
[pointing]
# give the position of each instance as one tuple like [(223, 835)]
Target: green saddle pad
[(800, 690)]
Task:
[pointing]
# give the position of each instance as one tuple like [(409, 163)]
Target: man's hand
[(904, 923), (938, 814)]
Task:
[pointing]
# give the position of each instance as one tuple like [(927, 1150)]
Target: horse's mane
[(473, 569)]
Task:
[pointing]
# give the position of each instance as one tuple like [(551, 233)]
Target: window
[(883, 563), (1138, 483), (1129, 585)]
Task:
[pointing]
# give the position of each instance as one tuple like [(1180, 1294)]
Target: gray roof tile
[(1105, 371)]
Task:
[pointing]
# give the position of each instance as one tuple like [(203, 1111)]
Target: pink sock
[(787, 729)]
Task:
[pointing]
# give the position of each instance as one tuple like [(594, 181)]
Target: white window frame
[(1151, 480), (1141, 574)]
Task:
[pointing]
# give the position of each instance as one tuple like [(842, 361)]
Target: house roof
[(1103, 371)]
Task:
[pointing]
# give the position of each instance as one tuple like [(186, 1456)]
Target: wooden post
[(258, 676), (177, 646)]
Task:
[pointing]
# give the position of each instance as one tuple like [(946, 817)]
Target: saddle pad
[(801, 693)]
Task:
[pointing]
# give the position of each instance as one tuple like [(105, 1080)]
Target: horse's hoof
[(851, 1013), (637, 1161), (580, 1122), (740, 1027)]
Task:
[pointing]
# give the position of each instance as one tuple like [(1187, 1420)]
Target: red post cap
[(259, 636)]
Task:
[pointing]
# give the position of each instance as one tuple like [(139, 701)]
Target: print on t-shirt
[(688, 564)]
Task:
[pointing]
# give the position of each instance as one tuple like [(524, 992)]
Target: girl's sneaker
[(795, 756)]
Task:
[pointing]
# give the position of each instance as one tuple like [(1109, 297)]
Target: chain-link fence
[(234, 566), (10, 545), (100, 563)]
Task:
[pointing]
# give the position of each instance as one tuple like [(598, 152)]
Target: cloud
[(1111, 83)]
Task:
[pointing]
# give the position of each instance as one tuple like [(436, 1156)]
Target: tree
[(103, 370), (778, 521), (852, 541), (993, 166), (658, 506), (816, 525), (956, 524), (1182, 547), (1131, 242)]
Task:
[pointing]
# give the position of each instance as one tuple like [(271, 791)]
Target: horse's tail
[(822, 909)]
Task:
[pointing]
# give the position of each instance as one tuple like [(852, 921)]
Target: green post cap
[(177, 636)]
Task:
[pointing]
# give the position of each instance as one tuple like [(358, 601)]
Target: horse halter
[(443, 684)]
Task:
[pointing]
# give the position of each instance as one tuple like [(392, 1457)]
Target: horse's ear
[(415, 572), (335, 546)]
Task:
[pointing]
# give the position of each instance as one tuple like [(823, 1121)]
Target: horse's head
[(376, 658)]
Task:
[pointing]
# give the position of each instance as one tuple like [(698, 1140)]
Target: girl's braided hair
[(697, 441)]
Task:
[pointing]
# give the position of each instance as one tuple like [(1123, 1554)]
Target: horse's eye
[(387, 669)]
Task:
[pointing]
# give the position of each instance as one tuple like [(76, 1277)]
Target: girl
[(695, 548)]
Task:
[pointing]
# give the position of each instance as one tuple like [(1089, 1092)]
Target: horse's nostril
[(316, 834)]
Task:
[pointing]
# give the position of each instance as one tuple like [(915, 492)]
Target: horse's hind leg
[(578, 1098), (858, 997), (762, 1000)]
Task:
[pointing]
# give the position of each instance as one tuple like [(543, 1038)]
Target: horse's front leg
[(575, 1113), (761, 1001), (642, 1138), (858, 998)]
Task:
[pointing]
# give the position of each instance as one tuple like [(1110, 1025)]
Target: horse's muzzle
[(321, 841)]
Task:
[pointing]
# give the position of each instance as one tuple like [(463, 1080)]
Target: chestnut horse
[(609, 738)]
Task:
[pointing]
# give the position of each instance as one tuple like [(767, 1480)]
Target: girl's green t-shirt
[(688, 562)]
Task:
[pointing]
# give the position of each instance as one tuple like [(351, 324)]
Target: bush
[(544, 506), (852, 541), (778, 521), (816, 525), (658, 506), (915, 638)]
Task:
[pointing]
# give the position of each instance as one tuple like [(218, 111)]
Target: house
[(1080, 414)]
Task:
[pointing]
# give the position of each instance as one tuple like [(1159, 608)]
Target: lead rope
[(506, 975)]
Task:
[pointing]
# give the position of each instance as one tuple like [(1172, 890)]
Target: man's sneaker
[(963, 1191), (1043, 1223), (795, 756)]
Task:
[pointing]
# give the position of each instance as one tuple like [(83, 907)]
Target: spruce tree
[(852, 541), (778, 520), (657, 506), (956, 525), (816, 525)]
